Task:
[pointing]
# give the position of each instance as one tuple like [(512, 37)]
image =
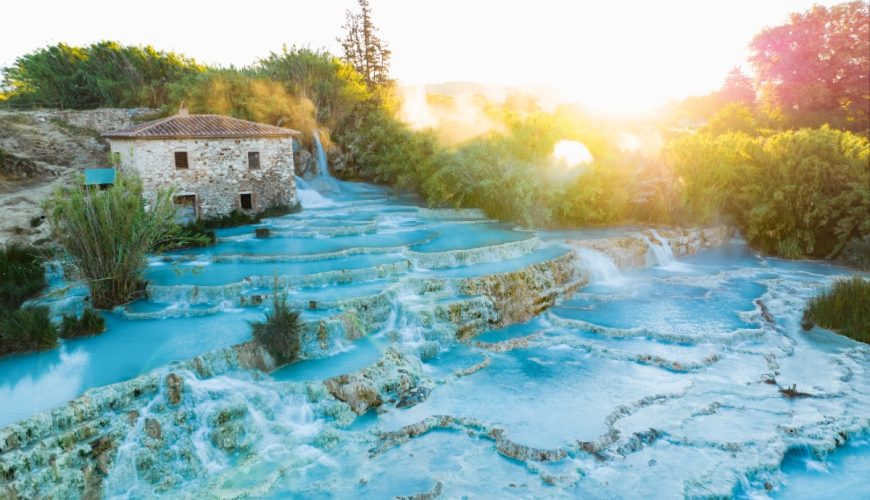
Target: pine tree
[(363, 49)]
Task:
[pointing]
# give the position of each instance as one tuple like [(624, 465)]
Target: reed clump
[(281, 331), (845, 309), (108, 233)]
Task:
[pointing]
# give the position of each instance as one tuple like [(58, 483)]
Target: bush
[(21, 275), (803, 193), (281, 332), (26, 329), (845, 309), (108, 233), (103, 74), (91, 323), (262, 232)]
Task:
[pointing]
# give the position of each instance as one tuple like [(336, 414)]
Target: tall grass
[(21, 274), (281, 331), (90, 323), (26, 329), (109, 233), (845, 309)]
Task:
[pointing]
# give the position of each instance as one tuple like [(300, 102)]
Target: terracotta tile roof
[(183, 126)]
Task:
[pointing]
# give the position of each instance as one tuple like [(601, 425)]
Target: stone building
[(216, 164)]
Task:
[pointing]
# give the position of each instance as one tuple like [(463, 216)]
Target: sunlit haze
[(619, 57)]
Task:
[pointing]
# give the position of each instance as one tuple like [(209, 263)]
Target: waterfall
[(663, 253), (599, 265), (322, 165), (311, 198), (667, 256), (662, 257)]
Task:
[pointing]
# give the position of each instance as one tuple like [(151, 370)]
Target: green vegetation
[(104, 74), (26, 329), (783, 155), (281, 331), (21, 275), (845, 309), (108, 234), (90, 323), (802, 193)]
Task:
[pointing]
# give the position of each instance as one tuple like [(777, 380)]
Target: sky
[(610, 55)]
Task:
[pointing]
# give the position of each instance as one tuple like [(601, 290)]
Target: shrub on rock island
[(90, 323), (281, 331)]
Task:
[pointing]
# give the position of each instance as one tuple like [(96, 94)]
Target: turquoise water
[(650, 383)]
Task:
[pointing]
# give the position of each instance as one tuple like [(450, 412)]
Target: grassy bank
[(845, 309)]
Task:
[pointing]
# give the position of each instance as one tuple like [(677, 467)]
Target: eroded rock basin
[(449, 356)]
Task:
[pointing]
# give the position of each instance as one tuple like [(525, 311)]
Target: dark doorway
[(247, 201)]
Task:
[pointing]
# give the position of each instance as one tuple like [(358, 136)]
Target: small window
[(181, 160), (253, 160), (247, 201)]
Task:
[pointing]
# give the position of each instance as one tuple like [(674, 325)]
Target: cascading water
[(600, 267), (667, 254), (601, 393), (661, 251), (311, 198), (320, 155)]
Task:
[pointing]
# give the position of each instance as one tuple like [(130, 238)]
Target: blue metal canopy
[(99, 176)]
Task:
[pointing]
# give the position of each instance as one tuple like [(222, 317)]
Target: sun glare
[(572, 153)]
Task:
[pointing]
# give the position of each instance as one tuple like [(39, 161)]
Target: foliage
[(103, 74), (738, 89), (109, 232), (795, 193), (90, 323), (281, 331), (242, 94), (26, 329), (334, 86), (363, 49), (732, 118), (21, 274), (845, 308), (815, 67)]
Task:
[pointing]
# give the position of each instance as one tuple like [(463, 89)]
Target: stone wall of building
[(218, 171)]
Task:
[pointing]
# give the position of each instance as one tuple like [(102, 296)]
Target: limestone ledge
[(215, 294), (464, 257), (631, 252)]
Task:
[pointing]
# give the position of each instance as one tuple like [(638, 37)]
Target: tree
[(367, 53), (732, 118), (737, 89), (816, 66)]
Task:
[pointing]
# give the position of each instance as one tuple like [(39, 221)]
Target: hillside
[(38, 150)]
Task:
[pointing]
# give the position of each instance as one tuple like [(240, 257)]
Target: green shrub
[(26, 329), (845, 309), (90, 323), (262, 232), (109, 233), (281, 331), (21, 275)]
